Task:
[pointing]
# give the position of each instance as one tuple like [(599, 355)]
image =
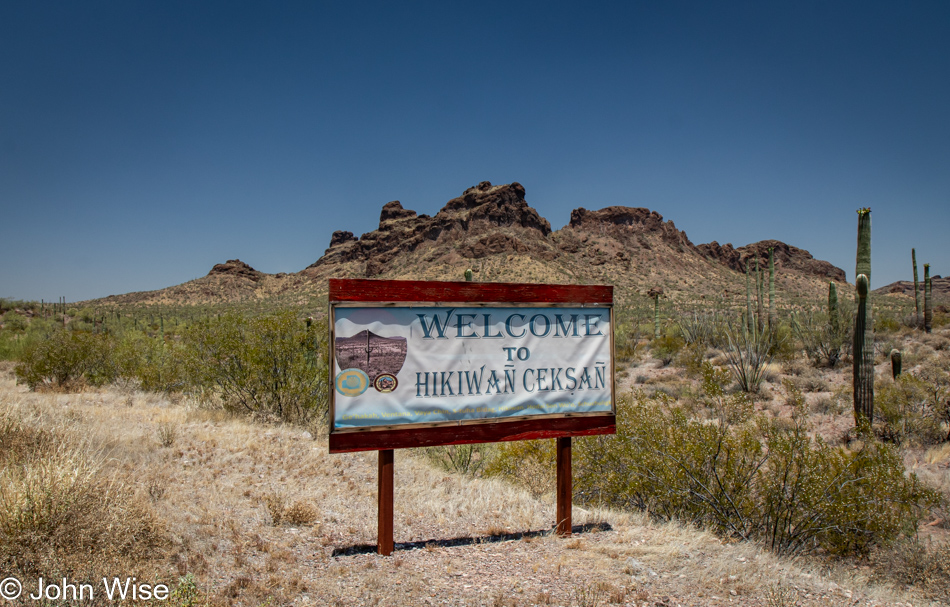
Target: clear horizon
[(141, 144)]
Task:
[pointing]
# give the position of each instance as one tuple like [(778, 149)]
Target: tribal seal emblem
[(352, 382), (385, 382)]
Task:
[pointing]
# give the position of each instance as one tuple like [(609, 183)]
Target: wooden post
[(564, 493), (384, 529)]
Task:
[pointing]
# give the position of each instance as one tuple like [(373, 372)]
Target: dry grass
[(263, 514)]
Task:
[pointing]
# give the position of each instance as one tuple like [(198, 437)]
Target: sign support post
[(384, 529), (564, 489)]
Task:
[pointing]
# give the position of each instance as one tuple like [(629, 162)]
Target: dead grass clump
[(59, 513), (926, 567), (296, 514), (167, 433)]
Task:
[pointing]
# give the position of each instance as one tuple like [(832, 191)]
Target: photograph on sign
[(401, 366)]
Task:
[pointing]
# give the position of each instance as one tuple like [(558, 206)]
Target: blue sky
[(143, 142)]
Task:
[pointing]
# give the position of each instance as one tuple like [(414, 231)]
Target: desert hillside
[(494, 231)]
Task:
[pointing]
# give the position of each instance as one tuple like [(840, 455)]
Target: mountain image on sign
[(370, 353)]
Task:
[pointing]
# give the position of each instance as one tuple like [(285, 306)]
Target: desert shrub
[(691, 358), (748, 356), (827, 405), (886, 323), (628, 334), (753, 479), (823, 342), (526, 463), (60, 513), (903, 407), (66, 360), (468, 460), (157, 364), (13, 322), (271, 364), (702, 327), (924, 566), (666, 347)]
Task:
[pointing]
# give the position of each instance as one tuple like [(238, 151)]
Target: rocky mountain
[(940, 288), (492, 230)]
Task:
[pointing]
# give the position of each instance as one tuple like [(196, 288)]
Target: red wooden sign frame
[(348, 291)]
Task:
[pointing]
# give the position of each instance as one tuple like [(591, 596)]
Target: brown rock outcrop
[(236, 267), (786, 257), (484, 220)]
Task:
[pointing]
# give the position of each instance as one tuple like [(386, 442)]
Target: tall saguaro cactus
[(863, 355), (863, 261), (913, 259), (928, 301), (655, 293), (863, 348)]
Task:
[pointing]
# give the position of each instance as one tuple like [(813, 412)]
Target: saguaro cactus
[(863, 348), (468, 275), (895, 362), (863, 261), (928, 307), (913, 259), (771, 289), (863, 356)]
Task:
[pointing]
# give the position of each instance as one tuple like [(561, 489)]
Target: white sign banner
[(425, 365)]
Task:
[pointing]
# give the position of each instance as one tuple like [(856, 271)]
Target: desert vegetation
[(186, 444)]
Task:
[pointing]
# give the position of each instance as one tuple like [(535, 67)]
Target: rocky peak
[(484, 220), (626, 222), (236, 267), (786, 256), (394, 211)]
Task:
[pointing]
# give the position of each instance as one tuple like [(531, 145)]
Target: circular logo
[(10, 588), (351, 382), (385, 382)]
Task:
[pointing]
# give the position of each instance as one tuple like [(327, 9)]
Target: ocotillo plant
[(863, 358), (928, 307), (759, 291), (655, 293), (913, 259), (895, 362), (771, 289)]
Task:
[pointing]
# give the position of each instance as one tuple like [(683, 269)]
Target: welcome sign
[(420, 363)]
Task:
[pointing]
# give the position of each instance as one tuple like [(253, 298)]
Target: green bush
[(270, 364), (468, 460), (13, 322), (526, 463), (752, 479), (666, 347), (824, 343), (67, 360), (156, 364), (904, 408)]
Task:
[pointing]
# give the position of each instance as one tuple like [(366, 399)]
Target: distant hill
[(492, 230)]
